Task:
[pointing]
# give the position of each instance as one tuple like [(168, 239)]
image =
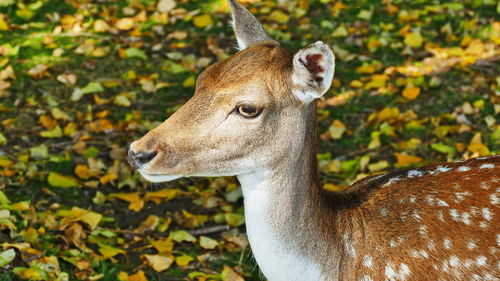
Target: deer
[(253, 116)]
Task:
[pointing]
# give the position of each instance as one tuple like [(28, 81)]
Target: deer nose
[(137, 160)]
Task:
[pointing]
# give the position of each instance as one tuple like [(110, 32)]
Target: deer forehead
[(263, 69)]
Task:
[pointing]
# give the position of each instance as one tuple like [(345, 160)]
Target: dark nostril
[(144, 157), (139, 159)]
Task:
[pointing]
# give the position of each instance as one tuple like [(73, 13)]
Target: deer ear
[(247, 28), (313, 69)]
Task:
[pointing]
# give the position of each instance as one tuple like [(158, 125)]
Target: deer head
[(247, 111)]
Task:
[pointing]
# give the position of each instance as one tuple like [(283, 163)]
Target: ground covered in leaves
[(416, 82)]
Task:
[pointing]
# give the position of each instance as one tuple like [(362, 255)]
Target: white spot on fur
[(367, 261), (454, 214), (383, 212), (443, 169), (413, 199), (431, 245), (447, 243), (461, 195), (442, 203), (481, 260), (454, 261), (440, 216), (463, 169), (422, 231), (487, 215), (415, 173), (483, 224), (471, 245), (494, 199), (484, 185), (466, 218), (402, 273), (422, 254), (415, 215), (487, 166), (366, 278), (392, 180)]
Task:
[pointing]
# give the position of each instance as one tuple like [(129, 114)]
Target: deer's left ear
[(313, 69)]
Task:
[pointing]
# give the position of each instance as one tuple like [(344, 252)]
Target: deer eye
[(248, 111)]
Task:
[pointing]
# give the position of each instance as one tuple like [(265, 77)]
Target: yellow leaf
[(406, 160), (208, 243), (411, 93), (479, 148), (183, 260), (337, 129), (108, 178), (165, 6), (379, 166), (189, 82), (157, 262), (109, 252), (136, 203), (414, 39), (202, 21), (3, 23), (149, 224), (91, 219), (54, 133), (101, 26), (124, 23), (70, 129), (279, 16), (164, 246), (162, 195), (47, 122), (59, 114), (82, 171), (58, 180), (139, 276), (228, 274)]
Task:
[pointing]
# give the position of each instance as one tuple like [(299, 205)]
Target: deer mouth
[(158, 177)]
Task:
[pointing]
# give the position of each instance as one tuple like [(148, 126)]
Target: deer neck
[(285, 210)]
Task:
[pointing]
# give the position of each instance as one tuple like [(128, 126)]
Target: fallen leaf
[(405, 160), (149, 224), (38, 71), (67, 79), (157, 262), (7, 256), (163, 246), (411, 93), (228, 274), (414, 39), (208, 243), (337, 129), (182, 236), (165, 6), (125, 24), (101, 26), (139, 276), (54, 133), (202, 21), (108, 252), (58, 180), (183, 260)]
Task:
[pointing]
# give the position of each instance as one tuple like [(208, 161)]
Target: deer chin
[(158, 177)]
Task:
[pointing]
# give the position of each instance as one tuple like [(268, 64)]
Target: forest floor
[(417, 82)]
